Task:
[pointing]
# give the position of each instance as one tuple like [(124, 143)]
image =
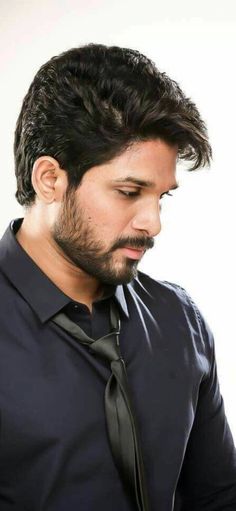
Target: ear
[(48, 179)]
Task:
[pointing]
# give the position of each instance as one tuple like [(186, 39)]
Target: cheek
[(104, 214)]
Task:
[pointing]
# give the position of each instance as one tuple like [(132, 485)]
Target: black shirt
[(54, 449)]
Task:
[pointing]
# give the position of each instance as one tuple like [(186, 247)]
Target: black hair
[(89, 104)]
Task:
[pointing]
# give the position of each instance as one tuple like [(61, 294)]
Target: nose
[(148, 219)]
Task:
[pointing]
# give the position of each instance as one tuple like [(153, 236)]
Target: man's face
[(115, 209)]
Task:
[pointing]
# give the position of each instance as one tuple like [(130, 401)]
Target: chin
[(122, 278)]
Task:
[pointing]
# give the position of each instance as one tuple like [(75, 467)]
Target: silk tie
[(120, 417)]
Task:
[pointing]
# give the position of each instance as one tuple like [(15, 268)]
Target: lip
[(133, 253)]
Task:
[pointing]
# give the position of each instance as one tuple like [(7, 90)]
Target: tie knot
[(107, 347)]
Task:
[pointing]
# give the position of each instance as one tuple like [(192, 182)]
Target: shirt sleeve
[(207, 480)]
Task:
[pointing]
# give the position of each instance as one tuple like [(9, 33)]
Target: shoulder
[(160, 290), (5, 284), (171, 300), (8, 295)]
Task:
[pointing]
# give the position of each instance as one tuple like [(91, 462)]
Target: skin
[(78, 238)]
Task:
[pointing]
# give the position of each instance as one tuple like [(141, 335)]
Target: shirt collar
[(44, 297)]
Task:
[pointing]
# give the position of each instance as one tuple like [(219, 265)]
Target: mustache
[(138, 243)]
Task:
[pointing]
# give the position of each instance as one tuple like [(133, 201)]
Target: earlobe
[(46, 179)]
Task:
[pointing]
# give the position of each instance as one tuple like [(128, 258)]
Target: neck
[(73, 281)]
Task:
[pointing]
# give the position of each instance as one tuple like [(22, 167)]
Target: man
[(109, 394)]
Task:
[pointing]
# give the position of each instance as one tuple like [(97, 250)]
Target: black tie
[(121, 423)]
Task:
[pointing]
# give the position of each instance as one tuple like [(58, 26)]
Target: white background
[(195, 43)]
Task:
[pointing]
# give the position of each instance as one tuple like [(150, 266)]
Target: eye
[(166, 193), (136, 193), (129, 194)]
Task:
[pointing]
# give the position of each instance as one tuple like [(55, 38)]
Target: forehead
[(152, 161)]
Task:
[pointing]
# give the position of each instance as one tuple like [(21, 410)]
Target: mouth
[(133, 253)]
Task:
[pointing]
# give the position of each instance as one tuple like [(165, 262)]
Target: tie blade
[(120, 429), (122, 432)]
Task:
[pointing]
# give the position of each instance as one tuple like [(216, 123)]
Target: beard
[(80, 242)]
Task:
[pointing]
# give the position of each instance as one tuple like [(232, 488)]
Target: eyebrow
[(141, 182)]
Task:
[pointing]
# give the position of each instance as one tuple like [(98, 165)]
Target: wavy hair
[(89, 104)]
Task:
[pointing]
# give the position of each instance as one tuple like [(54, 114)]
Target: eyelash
[(129, 195)]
